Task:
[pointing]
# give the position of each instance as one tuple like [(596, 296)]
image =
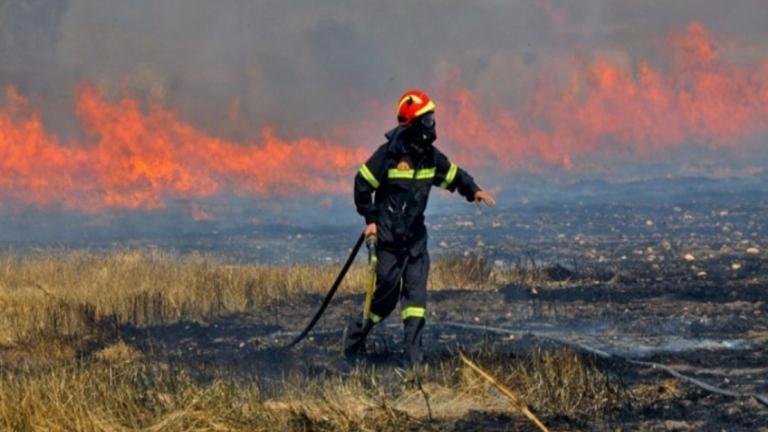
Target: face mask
[(422, 133)]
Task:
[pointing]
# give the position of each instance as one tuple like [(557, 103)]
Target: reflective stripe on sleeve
[(368, 176), (374, 318), (414, 312), (450, 176)]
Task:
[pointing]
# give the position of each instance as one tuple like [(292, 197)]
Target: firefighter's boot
[(354, 337), (413, 354)]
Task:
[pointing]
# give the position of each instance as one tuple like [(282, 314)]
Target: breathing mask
[(422, 133)]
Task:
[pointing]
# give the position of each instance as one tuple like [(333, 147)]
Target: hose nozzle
[(370, 243)]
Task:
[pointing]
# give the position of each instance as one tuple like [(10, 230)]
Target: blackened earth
[(716, 332), (678, 276)]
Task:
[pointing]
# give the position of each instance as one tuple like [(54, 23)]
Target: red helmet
[(413, 103)]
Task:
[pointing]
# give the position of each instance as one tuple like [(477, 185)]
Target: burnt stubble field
[(603, 314)]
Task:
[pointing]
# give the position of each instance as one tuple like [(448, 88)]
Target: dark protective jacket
[(401, 180)]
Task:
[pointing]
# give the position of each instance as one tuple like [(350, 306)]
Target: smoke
[(137, 105)]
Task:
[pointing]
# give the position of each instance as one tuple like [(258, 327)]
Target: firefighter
[(391, 193)]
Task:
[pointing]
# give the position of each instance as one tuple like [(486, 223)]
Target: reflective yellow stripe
[(374, 318), (395, 173), (425, 174), (450, 176), (414, 312), (430, 106), (422, 174), (368, 176)]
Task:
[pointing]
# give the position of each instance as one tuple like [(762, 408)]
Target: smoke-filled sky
[(113, 104)]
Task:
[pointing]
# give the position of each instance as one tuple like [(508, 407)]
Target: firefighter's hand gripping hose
[(330, 294)]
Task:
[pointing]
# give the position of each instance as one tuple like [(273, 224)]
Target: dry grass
[(118, 353), (97, 396), (140, 397), (78, 293), (57, 311), (664, 389), (552, 383)]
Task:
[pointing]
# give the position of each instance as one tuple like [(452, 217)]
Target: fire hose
[(371, 245)]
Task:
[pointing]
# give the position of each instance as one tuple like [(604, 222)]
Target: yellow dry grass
[(97, 396), (118, 353), (57, 310), (76, 293)]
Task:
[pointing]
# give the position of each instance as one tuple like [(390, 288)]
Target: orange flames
[(611, 110), (134, 158)]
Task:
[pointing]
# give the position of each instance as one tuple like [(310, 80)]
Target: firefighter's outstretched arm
[(449, 176)]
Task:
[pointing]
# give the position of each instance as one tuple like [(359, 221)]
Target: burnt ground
[(718, 334), (678, 281)]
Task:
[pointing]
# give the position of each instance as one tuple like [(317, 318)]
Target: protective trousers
[(400, 277)]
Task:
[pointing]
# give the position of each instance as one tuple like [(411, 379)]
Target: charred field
[(572, 305), (180, 180)]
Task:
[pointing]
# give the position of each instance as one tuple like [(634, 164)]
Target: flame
[(143, 158), (611, 110), (132, 159)]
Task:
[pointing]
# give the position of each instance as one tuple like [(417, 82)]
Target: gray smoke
[(304, 67)]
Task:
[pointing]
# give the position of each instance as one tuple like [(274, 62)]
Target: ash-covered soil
[(713, 332), (681, 282)]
